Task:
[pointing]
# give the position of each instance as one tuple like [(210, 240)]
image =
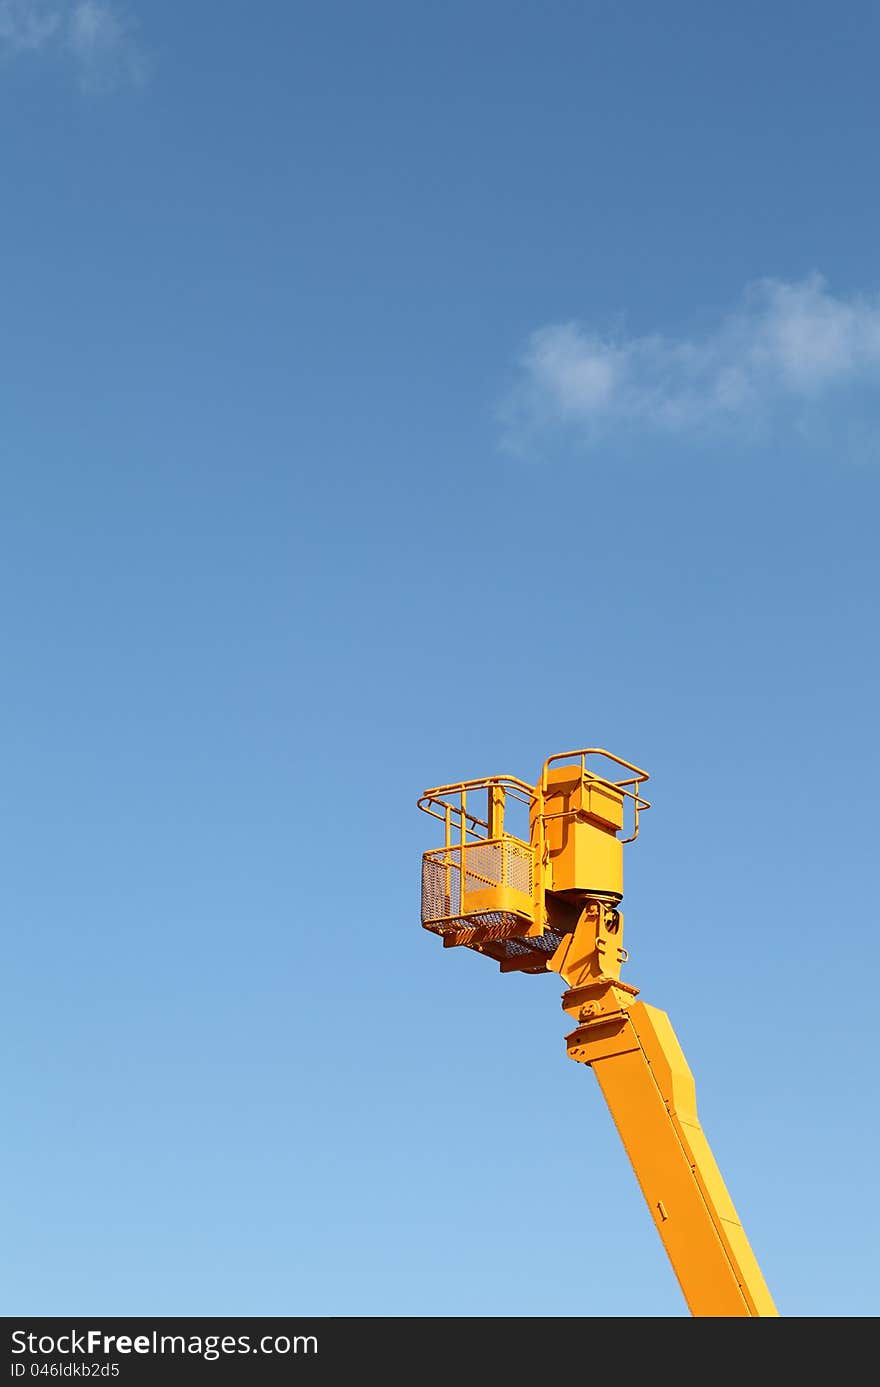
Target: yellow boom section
[(650, 1093)]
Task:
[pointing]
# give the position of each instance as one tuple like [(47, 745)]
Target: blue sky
[(390, 395)]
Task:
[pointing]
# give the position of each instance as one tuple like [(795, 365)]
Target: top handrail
[(627, 786), (483, 783), (638, 778), (436, 801)]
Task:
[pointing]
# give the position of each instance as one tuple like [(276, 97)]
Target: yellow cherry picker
[(548, 900)]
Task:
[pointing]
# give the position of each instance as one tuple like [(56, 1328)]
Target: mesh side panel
[(507, 862), (519, 866), (441, 886), (483, 866)]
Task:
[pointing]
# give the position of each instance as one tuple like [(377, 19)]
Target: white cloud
[(98, 35), (787, 346), (103, 40), (26, 25)]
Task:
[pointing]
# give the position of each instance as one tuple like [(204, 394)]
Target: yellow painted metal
[(480, 889), (594, 949), (645, 1080), (550, 903), (624, 787), (513, 898)]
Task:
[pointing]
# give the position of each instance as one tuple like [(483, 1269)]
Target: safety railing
[(453, 806), (627, 787)]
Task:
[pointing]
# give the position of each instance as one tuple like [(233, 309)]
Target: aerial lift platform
[(549, 901)]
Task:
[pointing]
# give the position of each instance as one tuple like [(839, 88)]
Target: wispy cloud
[(786, 347), (99, 36), (104, 41), (26, 25)]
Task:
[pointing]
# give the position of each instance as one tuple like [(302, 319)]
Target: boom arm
[(650, 1092)]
